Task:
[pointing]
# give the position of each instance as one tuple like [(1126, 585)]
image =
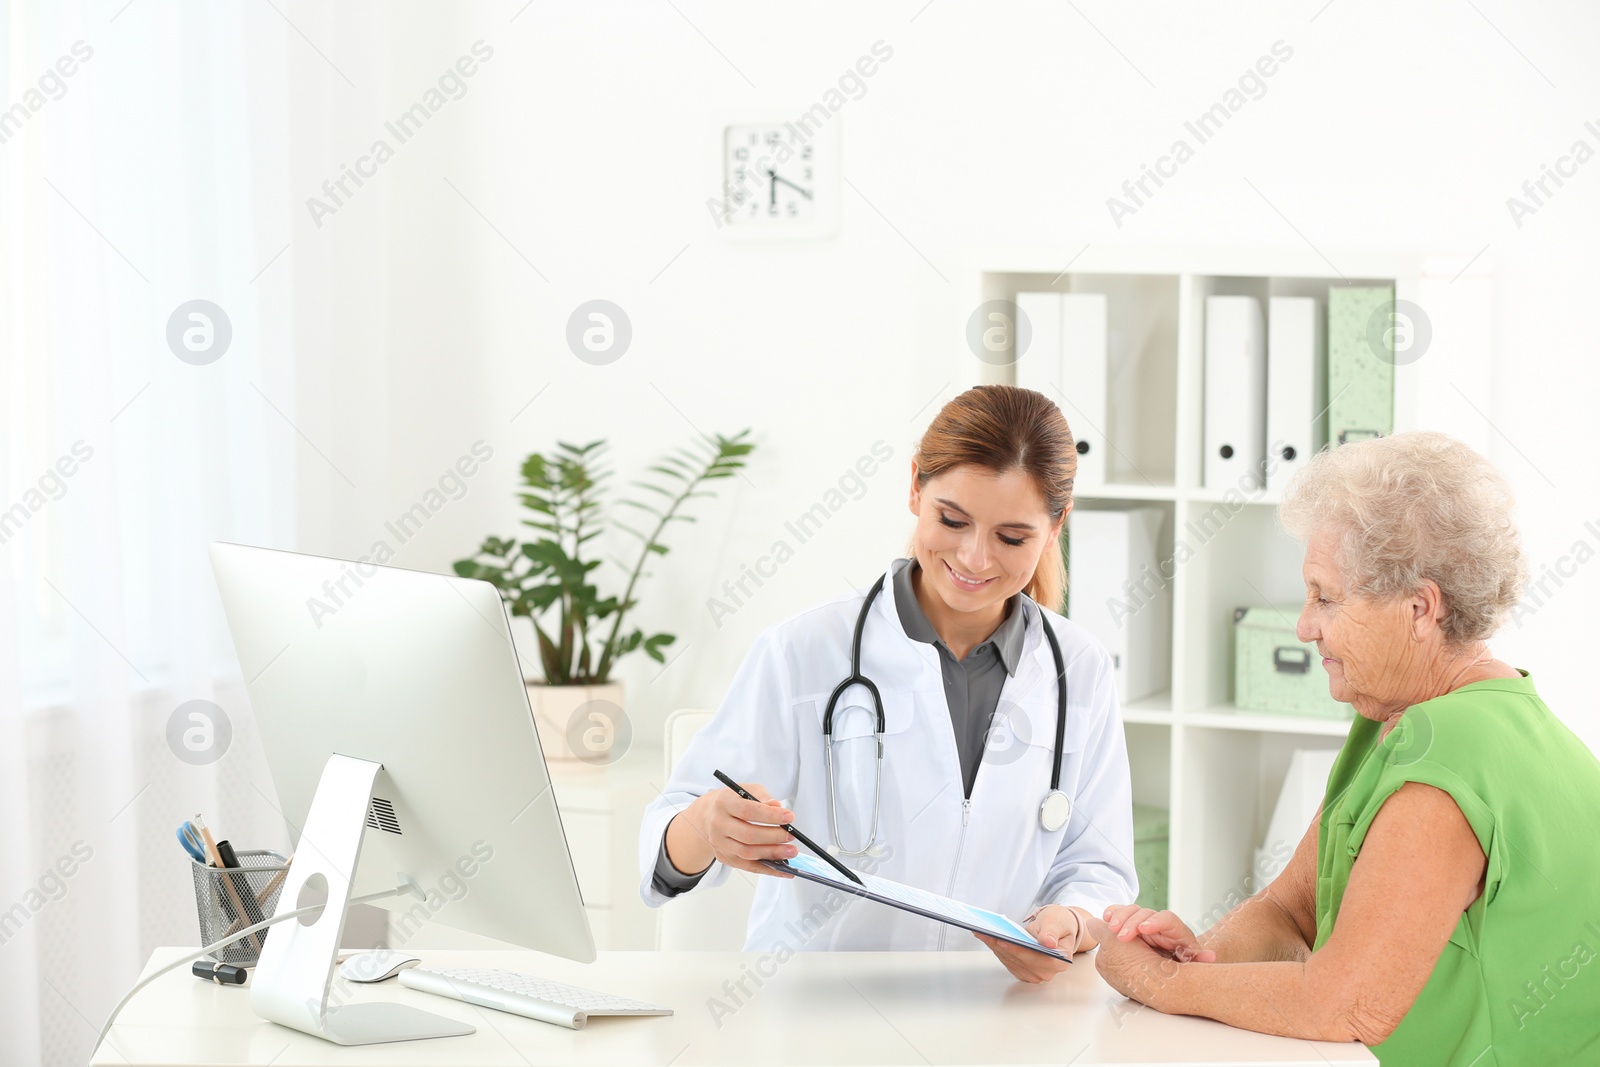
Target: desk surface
[(814, 1008)]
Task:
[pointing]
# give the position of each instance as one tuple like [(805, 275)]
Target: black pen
[(247, 896), (798, 836)]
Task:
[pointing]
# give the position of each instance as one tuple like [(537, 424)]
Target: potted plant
[(576, 706)]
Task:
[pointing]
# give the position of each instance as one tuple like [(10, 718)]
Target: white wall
[(588, 142)]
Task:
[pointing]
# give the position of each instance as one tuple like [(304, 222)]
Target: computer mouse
[(376, 965)]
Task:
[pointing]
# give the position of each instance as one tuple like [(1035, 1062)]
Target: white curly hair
[(1415, 506)]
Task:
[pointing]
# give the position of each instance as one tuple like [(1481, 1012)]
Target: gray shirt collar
[(1007, 637)]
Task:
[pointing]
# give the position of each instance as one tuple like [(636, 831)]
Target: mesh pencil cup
[(228, 900)]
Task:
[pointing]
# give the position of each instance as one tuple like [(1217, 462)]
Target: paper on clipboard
[(917, 901)]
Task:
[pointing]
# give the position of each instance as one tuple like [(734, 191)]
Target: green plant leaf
[(653, 646), (540, 598), (545, 551), (549, 660), (536, 472)]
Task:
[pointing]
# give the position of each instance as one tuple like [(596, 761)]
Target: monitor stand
[(291, 982)]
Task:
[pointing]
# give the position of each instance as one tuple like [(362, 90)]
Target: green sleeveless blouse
[(1519, 981)]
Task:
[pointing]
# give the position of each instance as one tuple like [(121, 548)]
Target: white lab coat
[(989, 851)]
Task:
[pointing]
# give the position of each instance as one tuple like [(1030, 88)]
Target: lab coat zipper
[(961, 842), (966, 817)]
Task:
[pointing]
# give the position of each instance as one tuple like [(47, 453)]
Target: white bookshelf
[(1215, 768)]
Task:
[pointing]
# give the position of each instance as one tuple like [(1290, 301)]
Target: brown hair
[(1004, 428)]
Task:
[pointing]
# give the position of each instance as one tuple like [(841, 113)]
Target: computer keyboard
[(522, 994)]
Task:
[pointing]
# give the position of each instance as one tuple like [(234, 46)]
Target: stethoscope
[(1054, 811)]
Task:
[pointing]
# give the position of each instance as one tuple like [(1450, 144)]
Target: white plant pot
[(562, 721)]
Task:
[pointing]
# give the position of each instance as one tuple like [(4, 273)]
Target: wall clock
[(778, 178)]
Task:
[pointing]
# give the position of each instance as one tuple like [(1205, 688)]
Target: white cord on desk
[(240, 936)]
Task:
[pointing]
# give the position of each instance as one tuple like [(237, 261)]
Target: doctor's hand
[(1056, 926), (1161, 930), (724, 826)]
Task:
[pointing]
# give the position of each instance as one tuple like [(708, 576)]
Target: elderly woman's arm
[(1278, 923), (1419, 868)]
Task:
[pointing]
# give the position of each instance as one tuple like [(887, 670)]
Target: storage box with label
[(1274, 671), (1150, 855)]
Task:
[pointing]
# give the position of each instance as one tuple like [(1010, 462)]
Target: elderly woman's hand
[(1133, 968), (1161, 930)]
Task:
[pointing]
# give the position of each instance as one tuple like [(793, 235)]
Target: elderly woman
[(1444, 907)]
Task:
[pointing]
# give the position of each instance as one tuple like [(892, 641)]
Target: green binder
[(1360, 363)]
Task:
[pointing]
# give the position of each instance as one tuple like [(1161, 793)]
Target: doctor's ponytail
[(1004, 428)]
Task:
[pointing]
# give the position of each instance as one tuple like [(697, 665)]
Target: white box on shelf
[(1120, 596), (1066, 361), (1297, 387), (1235, 431)]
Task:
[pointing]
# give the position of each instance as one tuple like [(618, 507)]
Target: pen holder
[(230, 899)]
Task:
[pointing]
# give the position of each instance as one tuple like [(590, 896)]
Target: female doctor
[(984, 791)]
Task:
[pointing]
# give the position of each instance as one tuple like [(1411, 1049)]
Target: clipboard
[(917, 902)]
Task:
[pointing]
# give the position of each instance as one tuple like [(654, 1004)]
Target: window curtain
[(147, 408)]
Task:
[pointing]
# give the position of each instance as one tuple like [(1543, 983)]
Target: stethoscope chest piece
[(1055, 811)]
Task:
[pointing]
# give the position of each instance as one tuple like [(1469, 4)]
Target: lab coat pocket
[(857, 793), (1021, 742)]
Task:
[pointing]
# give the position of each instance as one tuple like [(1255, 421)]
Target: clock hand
[(803, 192), (773, 187)]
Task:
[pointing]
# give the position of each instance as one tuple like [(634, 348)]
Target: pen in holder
[(229, 899)]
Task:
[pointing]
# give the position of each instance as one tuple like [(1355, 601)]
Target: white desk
[(818, 1008)]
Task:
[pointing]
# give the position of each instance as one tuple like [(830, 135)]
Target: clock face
[(770, 176)]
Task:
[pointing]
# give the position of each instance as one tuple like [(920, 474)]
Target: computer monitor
[(394, 717)]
